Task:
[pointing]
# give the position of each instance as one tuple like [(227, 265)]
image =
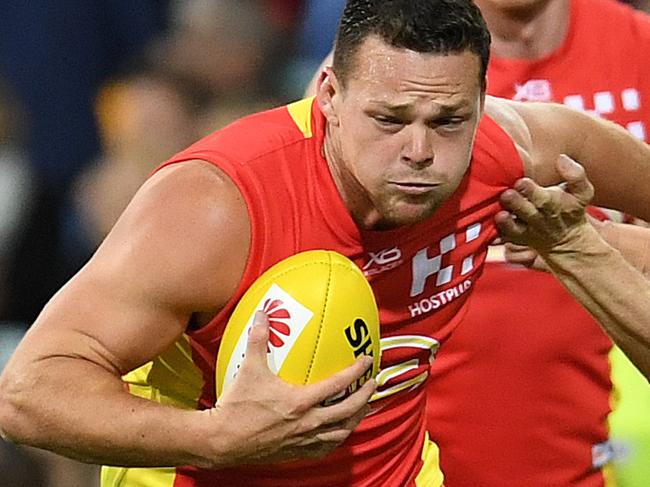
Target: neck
[(526, 32)]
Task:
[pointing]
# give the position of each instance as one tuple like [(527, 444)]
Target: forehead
[(510, 4), (396, 75)]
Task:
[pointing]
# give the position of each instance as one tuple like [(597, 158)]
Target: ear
[(328, 95)]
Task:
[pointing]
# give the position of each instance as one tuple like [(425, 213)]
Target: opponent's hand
[(523, 255), (546, 218), (263, 419), (528, 257)]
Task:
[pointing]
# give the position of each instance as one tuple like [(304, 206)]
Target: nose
[(418, 148)]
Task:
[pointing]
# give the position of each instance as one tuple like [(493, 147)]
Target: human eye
[(387, 121), (449, 124)]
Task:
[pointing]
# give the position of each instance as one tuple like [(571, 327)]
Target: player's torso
[(421, 276)]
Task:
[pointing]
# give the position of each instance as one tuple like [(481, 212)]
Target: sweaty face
[(401, 131)]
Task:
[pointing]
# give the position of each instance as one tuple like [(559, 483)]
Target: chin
[(407, 214)]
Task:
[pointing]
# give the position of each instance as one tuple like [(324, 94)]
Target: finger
[(534, 193), (513, 247), (519, 205), (339, 431), (509, 228), (575, 176), (258, 337), (517, 254), (355, 405), (338, 382)]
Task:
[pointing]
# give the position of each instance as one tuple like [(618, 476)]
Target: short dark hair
[(426, 26)]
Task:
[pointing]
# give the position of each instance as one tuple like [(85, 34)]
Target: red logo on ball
[(278, 317)]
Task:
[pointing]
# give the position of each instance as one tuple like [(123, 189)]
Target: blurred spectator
[(320, 20), (55, 55), (15, 181), (218, 115), (224, 45), (145, 117), (316, 36)]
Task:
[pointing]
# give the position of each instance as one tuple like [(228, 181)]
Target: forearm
[(75, 408), (614, 292), (632, 241)]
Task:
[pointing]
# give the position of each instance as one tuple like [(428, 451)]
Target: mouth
[(414, 187)]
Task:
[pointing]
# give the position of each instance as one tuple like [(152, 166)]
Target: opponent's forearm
[(615, 293), (632, 241), (77, 409)]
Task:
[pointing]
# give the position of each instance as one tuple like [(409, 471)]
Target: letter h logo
[(425, 266)]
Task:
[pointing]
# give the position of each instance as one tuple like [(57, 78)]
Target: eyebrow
[(404, 107)]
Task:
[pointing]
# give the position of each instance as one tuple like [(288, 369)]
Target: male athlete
[(545, 420), (394, 157)]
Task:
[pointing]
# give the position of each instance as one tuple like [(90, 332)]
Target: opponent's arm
[(617, 163), (553, 222), (179, 249), (632, 241)]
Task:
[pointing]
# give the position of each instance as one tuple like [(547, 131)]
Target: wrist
[(211, 445), (202, 444), (584, 242)]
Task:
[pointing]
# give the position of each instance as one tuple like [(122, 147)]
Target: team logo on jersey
[(438, 266), (382, 261), (533, 90), (397, 374), (438, 262)]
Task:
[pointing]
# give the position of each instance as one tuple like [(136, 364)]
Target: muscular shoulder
[(541, 132), (505, 114), (186, 233)]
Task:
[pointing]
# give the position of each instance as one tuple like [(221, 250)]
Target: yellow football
[(322, 315)]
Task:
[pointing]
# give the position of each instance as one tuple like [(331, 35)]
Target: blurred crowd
[(93, 96)]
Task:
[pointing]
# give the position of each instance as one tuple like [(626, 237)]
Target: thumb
[(575, 177), (258, 338)]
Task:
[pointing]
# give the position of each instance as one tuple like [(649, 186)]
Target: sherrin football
[(322, 315)]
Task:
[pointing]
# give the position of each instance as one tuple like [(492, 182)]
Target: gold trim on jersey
[(137, 477), (430, 475), (173, 379), (300, 112)]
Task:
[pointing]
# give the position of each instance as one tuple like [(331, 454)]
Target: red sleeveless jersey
[(421, 276), (520, 394)]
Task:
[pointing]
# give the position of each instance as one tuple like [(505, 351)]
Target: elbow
[(14, 423)]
